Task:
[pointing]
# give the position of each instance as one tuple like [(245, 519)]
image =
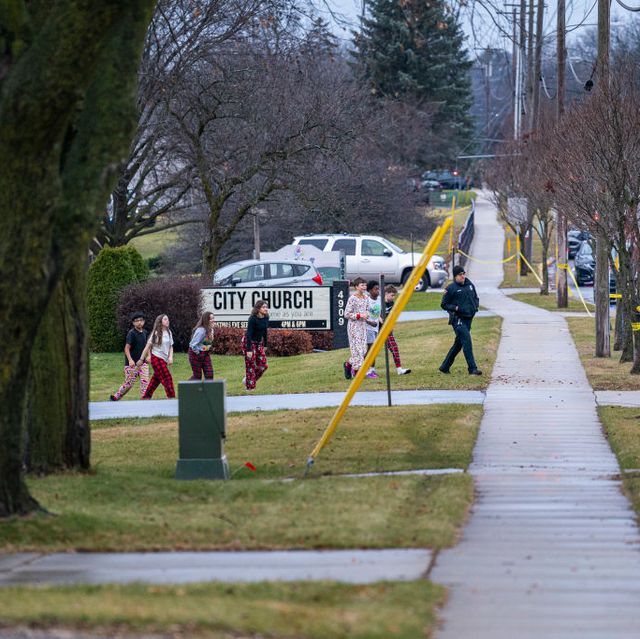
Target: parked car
[(369, 256), (447, 179), (574, 238), (268, 273), (584, 263)]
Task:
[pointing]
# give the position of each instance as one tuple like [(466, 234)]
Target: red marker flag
[(250, 466)]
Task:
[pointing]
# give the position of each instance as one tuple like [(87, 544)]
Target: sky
[(482, 23)]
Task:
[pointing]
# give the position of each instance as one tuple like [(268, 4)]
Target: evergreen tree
[(413, 51)]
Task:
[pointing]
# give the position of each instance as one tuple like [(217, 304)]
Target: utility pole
[(562, 296), (487, 88), (601, 284), (514, 70), (530, 75), (535, 106)]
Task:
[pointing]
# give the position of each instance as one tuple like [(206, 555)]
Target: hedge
[(111, 271), (177, 297)]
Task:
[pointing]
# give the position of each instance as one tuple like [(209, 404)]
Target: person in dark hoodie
[(461, 301)]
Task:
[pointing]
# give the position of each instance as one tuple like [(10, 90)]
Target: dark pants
[(462, 329), (161, 375), (200, 365)]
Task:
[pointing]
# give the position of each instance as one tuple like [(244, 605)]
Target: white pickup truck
[(369, 256)]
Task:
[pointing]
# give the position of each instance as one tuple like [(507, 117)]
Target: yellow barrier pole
[(524, 259), (385, 329), (453, 210), (509, 244), (518, 257)]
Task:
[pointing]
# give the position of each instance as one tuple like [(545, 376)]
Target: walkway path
[(551, 547)]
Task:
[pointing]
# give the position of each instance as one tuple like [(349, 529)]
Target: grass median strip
[(603, 373), (622, 428), (549, 302), (131, 502), (423, 346), (220, 611)]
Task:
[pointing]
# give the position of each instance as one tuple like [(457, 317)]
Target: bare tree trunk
[(67, 114), (601, 296), (544, 289), (619, 327), (56, 415), (625, 286), (562, 292)]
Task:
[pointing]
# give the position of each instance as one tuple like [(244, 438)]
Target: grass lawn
[(423, 346), (130, 501), (603, 373), (622, 427), (548, 302), (155, 243), (221, 611)]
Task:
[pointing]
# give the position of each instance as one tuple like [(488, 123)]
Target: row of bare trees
[(588, 167), (252, 104)]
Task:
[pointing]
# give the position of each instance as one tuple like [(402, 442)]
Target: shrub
[(322, 340), (282, 343), (111, 271), (177, 297), (139, 264)]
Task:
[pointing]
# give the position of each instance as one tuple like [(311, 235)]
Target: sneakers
[(113, 398), (475, 372), (372, 374), (443, 370), (244, 382), (347, 370), (403, 371)]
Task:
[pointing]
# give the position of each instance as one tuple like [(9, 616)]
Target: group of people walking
[(363, 312), (157, 348)]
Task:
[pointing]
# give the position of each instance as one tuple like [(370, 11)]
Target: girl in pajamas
[(357, 312), (160, 345), (200, 347), (254, 344)]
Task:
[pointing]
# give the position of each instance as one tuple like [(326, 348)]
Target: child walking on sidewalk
[(135, 343), (160, 345), (390, 293)]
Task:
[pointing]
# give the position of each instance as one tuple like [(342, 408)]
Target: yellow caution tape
[(568, 270), (615, 296), (475, 259), (638, 309), (531, 269), (635, 326)]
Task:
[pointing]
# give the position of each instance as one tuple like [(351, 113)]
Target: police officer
[(461, 301)]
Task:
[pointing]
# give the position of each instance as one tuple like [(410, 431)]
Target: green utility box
[(202, 428)]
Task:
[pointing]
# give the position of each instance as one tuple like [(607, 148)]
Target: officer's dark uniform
[(461, 300)]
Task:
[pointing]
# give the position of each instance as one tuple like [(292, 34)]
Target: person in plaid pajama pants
[(160, 345), (135, 343), (390, 293), (200, 347), (254, 344)]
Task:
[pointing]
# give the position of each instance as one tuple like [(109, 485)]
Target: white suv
[(369, 256)]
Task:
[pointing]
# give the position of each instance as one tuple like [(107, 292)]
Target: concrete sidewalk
[(551, 547), (348, 566)]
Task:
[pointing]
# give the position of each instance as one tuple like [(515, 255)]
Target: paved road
[(551, 547)]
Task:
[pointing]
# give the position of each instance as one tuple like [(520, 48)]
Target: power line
[(627, 7)]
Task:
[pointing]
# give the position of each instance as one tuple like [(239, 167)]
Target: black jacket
[(460, 300), (257, 330)]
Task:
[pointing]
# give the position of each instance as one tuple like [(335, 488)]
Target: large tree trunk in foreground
[(66, 119), (56, 415)]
